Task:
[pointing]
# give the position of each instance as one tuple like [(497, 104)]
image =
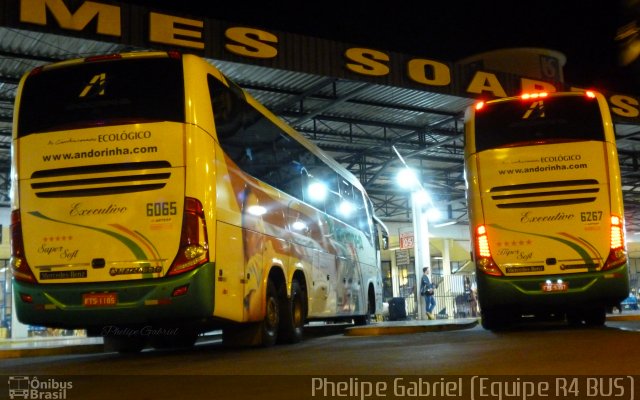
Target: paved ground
[(43, 346)]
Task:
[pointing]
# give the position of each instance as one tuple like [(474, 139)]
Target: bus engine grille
[(545, 194), (98, 180)]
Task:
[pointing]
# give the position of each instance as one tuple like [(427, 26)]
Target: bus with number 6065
[(153, 199), (545, 208)]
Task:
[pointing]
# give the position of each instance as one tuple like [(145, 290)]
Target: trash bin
[(397, 309)]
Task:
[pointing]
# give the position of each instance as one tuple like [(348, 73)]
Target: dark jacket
[(425, 284)]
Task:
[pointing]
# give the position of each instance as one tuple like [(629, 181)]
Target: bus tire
[(181, 340), (263, 333), (596, 316), (124, 345), (371, 309), (292, 315), (574, 318), (270, 324), (493, 319)]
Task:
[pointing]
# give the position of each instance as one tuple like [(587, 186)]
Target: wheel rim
[(297, 312), (271, 319)]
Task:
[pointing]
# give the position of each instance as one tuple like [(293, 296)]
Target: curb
[(377, 330), (620, 317), (52, 351)]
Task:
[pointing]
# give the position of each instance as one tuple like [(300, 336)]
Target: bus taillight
[(19, 266), (103, 57), (535, 95), (484, 259), (617, 251), (194, 247)]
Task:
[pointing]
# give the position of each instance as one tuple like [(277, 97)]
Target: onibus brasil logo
[(32, 388)]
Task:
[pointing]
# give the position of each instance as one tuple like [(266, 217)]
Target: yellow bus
[(545, 208), (153, 200)]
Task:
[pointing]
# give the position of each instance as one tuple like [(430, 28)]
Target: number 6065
[(161, 209)]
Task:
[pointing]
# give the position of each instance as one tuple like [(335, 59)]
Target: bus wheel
[(181, 340), (371, 310), (269, 326), (493, 319), (130, 344), (574, 318), (596, 316), (293, 315), (263, 333)]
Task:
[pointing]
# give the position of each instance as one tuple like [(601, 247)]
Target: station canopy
[(354, 102)]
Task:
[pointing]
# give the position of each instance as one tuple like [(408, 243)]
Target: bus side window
[(227, 107), (362, 220)]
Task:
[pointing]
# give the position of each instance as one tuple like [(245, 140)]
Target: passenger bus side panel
[(229, 272)]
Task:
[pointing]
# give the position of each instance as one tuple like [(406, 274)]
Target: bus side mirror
[(382, 233), (385, 240)]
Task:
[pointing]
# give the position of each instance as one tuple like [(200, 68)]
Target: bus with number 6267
[(545, 208), (154, 199)]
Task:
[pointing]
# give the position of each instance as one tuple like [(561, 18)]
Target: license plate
[(99, 299), (555, 287)]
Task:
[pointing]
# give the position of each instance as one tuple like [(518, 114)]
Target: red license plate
[(555, 287), (99, 299)]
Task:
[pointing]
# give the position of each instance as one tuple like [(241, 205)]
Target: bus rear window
[(560, 119), (102, 93)]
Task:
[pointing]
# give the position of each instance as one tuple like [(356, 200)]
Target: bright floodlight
[(299, 226), (434, 214), (422, 197), (317, 191), (256, 210), (346, 208), (408, 179)]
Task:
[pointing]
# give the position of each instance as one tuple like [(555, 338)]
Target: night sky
[(450, 30)]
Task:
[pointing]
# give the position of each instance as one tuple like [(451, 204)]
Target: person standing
[(427, 291)]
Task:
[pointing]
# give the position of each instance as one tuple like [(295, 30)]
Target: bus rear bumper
[(162, 301), (574, 291)]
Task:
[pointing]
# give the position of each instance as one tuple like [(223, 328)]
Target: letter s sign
[(251, 42)]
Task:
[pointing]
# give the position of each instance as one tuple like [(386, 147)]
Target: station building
[(357, 103)]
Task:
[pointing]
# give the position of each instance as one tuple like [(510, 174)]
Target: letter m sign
[(107, 16)]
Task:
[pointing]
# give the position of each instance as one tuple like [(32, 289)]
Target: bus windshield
[(102, 93), (514, 123)]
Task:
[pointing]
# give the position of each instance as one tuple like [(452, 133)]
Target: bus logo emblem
[(95, 86), (19, 387), (536, 109)]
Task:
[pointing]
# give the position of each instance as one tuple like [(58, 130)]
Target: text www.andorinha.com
[(117, 151), (542, 168)]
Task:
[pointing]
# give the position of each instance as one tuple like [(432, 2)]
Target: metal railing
[(455, 297)]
